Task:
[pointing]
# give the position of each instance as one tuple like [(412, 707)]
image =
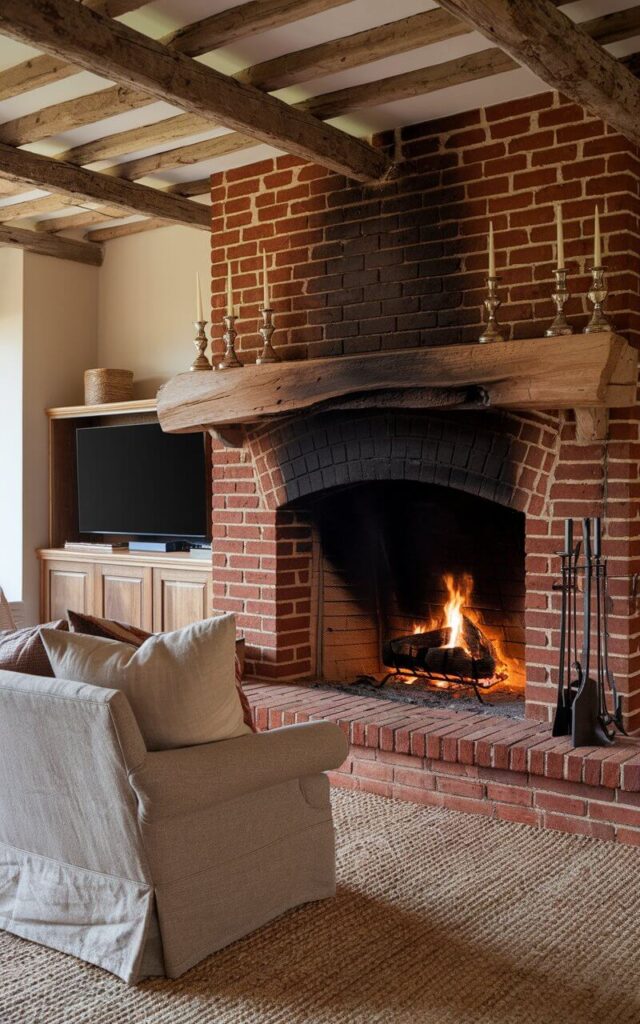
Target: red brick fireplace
[(365, 268), (334, 524)]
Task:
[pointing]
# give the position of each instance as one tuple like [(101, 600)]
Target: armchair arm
[(172, 783)]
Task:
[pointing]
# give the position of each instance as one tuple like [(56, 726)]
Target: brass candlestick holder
[(598, 293), (559, 325), (268, 354), (201, 361), (491, 304), (230, 357)]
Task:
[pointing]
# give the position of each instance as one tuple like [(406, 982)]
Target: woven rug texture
[(440, 918)]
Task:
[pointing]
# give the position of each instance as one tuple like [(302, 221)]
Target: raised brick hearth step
[(470, 761)]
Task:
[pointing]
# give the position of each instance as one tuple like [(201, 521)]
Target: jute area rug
[(441, 918)]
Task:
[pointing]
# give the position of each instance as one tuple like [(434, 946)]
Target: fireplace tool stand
[(582, 709)]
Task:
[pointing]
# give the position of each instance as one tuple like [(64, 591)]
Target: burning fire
[(459, 596), (454, 612)]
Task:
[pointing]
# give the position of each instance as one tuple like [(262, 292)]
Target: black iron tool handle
[(586, 604), (565, 555)]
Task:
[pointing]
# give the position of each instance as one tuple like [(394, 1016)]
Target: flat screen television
[(139, 481)]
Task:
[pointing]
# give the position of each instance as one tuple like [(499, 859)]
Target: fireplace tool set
[(582, 711)]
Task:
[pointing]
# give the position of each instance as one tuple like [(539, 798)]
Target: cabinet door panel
[(180, 598), (67, 585), (125, 594)]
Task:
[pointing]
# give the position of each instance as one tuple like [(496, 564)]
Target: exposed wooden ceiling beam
[(232, 142), (423, 29), (132, 139), (410, 83), (51, 245), (248, 19), (75, 220), (65, 28), (120, 230), (18, 165), (561, 53), (40, 70)]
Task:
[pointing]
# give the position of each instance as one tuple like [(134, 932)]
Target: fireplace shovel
[(562, 718), (586, 728)]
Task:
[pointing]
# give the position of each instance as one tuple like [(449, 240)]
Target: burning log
[(472, 657)]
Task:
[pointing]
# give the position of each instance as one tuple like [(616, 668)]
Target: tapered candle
[(199, 313), (492, 254), (229, 292), (265, 283), (597, 246), (559, 238)]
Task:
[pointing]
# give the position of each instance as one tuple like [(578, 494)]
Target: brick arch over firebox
[(500, 457)]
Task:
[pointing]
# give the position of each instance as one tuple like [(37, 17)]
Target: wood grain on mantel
[(582, 371)]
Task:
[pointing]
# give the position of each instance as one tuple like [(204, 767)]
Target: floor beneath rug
[(440, 918)]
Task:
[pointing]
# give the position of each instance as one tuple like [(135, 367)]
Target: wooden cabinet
[(125, 592), (179, 597), (67, 583), (155, 592)]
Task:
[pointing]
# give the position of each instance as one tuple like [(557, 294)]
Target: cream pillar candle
[(492, 254), (199, 312), (559, 238), (230, 311), (266, 303), (597, 244)]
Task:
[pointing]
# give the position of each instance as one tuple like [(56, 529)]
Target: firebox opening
[(418, 586)]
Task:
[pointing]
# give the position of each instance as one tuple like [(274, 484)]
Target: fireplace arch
[(502, 457)]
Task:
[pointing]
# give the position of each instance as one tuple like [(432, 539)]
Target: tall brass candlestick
[(268, 354), (598, 293), (230, 357), (201, 361), (559, 325), (491, 304)]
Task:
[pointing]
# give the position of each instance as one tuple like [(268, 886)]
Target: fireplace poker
[(562, 718), (603, 727), (611, 682)]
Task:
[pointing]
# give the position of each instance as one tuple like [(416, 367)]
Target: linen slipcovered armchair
[(144, 863)]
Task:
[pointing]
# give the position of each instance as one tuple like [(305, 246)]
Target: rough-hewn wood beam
[(561, 53), (40, 70), (351, 51), (410, 83), (132, 139), (74, 113), (232, 142), (120, 230), (76, 220), (546, 373), (243, 21), (65, 28), (18, 165), (51, 245)]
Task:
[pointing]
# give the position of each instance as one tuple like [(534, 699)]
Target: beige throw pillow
[(181, 685)]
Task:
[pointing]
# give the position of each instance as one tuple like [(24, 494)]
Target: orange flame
[(459, 594)]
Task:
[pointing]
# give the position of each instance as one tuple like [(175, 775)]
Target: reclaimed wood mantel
[(586, 372)]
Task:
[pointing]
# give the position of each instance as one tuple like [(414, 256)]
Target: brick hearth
[(470, 761)]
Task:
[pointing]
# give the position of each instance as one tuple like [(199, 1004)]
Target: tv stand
[(154, 590)]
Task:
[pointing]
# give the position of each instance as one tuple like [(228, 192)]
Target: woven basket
[(101, 386)]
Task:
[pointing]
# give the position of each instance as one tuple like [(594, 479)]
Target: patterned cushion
[(22, 650), (111, 629)]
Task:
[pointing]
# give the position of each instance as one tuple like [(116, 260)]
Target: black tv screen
[(137, 480)]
